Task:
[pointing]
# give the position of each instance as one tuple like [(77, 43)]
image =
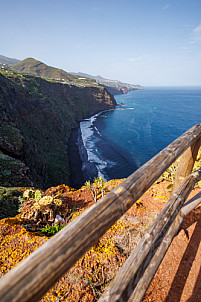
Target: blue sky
[(146, 42)]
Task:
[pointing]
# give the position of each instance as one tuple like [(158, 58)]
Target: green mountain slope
[(35, 67)]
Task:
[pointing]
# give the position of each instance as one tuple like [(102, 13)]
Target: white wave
[(88, 138), (125, 108), (94, 117), (98, 131), (86, 131)]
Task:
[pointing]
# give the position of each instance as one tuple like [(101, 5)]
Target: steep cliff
[(35, 124), (35, 67)]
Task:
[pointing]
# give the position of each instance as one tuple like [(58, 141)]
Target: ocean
[(119, 141)]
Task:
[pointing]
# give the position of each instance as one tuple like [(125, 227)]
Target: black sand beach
[(81, 168), (76, 178)]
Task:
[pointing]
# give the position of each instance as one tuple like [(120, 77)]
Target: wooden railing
[(35, 275)]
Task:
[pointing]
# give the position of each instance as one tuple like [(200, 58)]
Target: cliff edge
[(36, 120)]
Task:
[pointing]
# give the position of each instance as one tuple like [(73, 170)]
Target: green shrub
[(52, 230)]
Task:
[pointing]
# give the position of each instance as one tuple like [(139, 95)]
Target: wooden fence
[(36, 274)]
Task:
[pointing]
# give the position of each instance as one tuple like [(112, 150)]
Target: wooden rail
[(137, 272), (35, 275)]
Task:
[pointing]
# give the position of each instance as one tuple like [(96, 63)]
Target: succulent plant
[(38, 195)]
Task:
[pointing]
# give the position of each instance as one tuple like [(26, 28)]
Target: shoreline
[(81, 169)]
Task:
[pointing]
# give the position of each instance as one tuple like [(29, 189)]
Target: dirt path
[(179, 275)]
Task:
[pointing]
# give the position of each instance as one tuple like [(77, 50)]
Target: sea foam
[(90, 135)]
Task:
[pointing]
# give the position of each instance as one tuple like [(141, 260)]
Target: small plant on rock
[(38, 207), (96, 187), (38, 195)]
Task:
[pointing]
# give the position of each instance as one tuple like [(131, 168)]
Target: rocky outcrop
[(35, 124), (121, 89)]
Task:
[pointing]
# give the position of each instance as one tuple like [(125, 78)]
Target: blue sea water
[(120, 141)]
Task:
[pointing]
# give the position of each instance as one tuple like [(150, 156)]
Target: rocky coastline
[(81, 169)]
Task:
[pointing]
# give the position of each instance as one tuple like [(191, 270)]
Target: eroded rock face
[(36, 118)]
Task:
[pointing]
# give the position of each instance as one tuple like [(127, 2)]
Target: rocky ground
[(178, 277)]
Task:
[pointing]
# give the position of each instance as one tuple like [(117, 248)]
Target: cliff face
[(35, 124)]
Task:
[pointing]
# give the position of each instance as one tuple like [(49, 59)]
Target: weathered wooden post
[(134, 277), (186, 163)]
